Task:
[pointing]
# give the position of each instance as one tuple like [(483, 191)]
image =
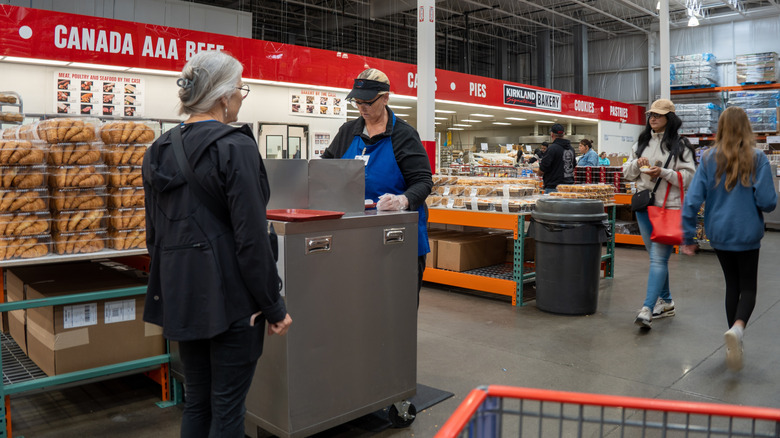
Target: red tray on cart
[(301, 215)]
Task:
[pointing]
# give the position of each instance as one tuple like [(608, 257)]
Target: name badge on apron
[(363, 158)]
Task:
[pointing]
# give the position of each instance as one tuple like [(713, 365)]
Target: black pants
[(218, 373), (740, 268)]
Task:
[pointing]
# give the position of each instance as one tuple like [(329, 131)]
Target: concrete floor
[(466, 340)]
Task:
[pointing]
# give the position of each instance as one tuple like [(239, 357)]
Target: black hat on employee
[(367, 89), (557, 130)]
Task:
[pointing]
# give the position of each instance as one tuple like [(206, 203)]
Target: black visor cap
[(366, 89)]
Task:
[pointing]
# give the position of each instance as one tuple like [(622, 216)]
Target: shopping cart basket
[(504, 411)]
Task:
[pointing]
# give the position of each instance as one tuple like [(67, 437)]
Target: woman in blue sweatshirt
[(734, 181)]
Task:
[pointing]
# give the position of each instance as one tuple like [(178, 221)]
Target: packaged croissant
[(125, 154), (125, 176), (21, 152), (70, 221), (76, 153), (127, 132), (11, 133), (77, 176), (24, 200), (127, 239), (82, 242), (24, 247), (123, 197), (67, 130), (78, 199), (11, 117), (22, 177), (127, 218), (25, 224), (28, 132)]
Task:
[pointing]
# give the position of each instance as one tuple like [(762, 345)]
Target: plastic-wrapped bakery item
[(508, 205), (481, 204), (125, 154), (8, 98), (127, 218), (126, 132), (25, 224), (77, 176), (24, 247), (82, 242), (22, 177), (127, 239), (10, 133), (67, 130), (21, 152), (78, 199), (24, 200), (76, 153), (69, 221), (433, 200), (123, 197), (11, 116), (125, 176)]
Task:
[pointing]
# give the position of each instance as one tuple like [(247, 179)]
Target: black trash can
[(568, 234)]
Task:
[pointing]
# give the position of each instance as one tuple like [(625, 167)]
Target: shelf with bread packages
[(11, 99), (71, 191), (478, 232)]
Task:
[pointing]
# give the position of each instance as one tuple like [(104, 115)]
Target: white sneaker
[(734, 348), (663, 308), (644, 318)]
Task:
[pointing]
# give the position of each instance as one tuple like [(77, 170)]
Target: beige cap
[(662, 106)]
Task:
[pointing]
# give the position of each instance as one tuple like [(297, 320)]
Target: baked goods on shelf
[(78, 199), (127, 239), (122, 132), (11, 117), (66, 130), (122, 197), (125, 176), (25, 247), (25, 224), (75, 153), (8, 98), (22, 177), (21, 152), (79, 220), (77, 176), (127, 218), (124, 154), (24, 200), (79, 242)]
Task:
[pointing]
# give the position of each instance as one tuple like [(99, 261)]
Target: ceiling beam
[(733, 8), (639, 8), (585, 5), (568, 17), (519, 17)]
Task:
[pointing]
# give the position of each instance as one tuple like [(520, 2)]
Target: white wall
[(265, 103), (617, 137)]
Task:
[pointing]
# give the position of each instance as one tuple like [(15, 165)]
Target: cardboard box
[(433, 241), (472, 251), (529, 253), (17, 319), (68, 338)]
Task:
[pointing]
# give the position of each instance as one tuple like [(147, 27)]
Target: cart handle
[(471, 403)]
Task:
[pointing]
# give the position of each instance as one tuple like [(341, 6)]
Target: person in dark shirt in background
[(557, 165)]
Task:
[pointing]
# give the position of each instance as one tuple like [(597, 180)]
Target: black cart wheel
[(398, 420)]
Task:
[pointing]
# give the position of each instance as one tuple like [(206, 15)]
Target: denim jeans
[(658, 277), (218, 373)]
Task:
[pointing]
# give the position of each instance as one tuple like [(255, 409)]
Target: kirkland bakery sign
[(531, 98)]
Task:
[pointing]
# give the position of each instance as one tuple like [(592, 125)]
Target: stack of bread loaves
[(126, 143)]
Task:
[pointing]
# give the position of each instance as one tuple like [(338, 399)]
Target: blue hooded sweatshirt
[(733, 221)]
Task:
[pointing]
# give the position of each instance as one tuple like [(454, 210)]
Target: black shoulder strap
[(211, 203), (658, 182)]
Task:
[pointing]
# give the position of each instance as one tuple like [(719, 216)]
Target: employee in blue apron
[(398, 173)]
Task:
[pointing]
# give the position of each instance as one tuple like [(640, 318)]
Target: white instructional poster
[(321, 142), (98, 94), (315, 103)]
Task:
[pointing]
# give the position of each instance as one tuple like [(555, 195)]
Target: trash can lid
[(569, 210)]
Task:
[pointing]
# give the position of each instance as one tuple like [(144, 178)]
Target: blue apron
[(384, 176)]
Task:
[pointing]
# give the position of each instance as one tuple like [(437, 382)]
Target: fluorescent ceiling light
[(544, 121), (353, 111), (441, 118), (515, 118), (437, 123), (399, 107), (480, 115), (693, 22), (155, 72), (34, 61), (444, 111), (461, 125), (455, 129), (501, 123), (471, 121), (97, 66), (402, 115), (658, 6)]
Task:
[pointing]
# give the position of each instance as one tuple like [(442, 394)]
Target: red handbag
[(667, 223)]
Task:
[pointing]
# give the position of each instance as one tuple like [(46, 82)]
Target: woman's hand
[(653, 172), (688, 249), (281, 327), (642, 161)]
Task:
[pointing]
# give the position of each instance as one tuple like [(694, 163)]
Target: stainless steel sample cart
[(351, 288)]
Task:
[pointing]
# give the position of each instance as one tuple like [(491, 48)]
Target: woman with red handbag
[(735, 183), (656, 159)]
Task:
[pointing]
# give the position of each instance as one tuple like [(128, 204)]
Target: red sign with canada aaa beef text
[(35, 33)]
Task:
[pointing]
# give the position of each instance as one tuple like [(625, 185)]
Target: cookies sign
[(98, 94)]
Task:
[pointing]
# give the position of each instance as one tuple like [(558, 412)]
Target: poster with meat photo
[(98, 93)]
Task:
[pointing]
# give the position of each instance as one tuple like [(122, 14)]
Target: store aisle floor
[(466, 340)]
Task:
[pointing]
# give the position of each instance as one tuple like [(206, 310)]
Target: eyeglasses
[(244, 91), (368, 104), (655, 116)]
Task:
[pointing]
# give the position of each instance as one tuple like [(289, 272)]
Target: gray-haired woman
[(213, 279)]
